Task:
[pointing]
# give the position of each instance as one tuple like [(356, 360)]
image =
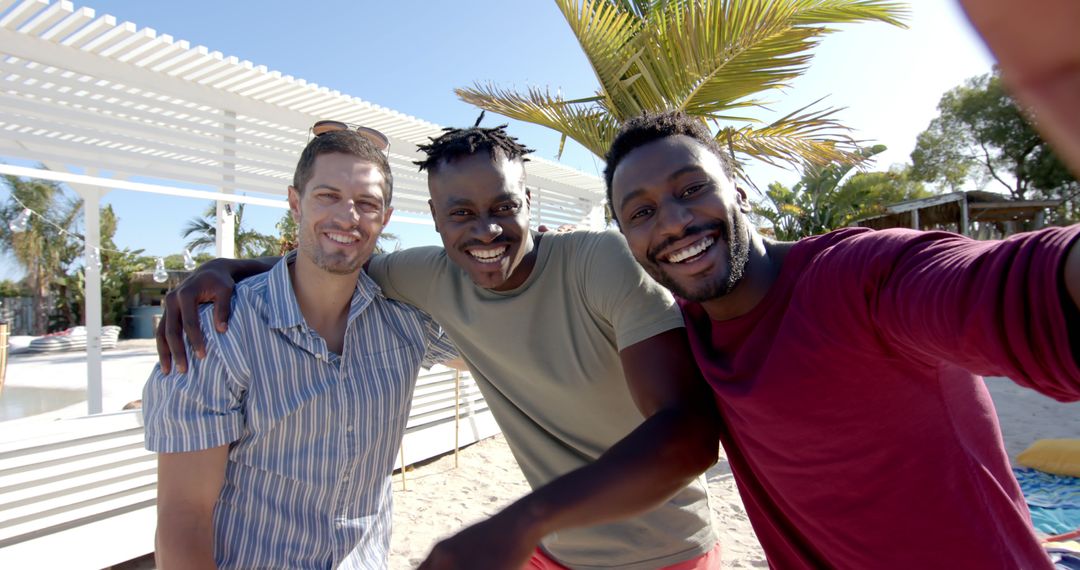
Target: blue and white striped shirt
[(313, 436)]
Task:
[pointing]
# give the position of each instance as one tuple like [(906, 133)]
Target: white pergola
[(99, 103)]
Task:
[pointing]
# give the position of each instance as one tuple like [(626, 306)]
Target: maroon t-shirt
[(857, 429)]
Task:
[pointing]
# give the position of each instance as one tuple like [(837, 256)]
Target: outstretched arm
[(677, 442), (213, 283)]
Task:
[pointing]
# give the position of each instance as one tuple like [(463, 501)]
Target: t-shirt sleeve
[(619, 290), (200, 409), (439, 348), (992, 307), (406, 275)]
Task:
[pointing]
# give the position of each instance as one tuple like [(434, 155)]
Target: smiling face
[(481, 211), (683, 217), (340, 213)]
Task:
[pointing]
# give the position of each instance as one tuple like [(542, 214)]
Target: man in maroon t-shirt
[(846, 365)]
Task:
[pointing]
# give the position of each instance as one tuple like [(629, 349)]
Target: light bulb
[(93, 259), (160, 275), (19, 224), (189, 262)]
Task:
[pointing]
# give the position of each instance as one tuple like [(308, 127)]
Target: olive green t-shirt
[(546, 359)]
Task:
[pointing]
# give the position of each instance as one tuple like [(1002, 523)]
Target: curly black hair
[(650, 127), (457, 143)]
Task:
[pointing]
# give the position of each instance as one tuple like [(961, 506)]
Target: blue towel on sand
[(1054, 501)]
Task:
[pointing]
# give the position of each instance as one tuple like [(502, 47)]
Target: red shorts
[(708, 561)]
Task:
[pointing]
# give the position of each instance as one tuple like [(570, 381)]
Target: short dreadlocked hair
[(650, 127), (454, 144)]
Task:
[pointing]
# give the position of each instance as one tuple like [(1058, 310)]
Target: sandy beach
[(439, 498)]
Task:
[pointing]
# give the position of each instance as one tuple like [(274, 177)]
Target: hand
[(563, 229), (494, 544), (210, 284)]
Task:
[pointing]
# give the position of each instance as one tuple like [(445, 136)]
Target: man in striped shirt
[(276, 449)]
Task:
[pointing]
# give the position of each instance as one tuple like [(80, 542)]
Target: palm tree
[(43, 250), (709, 58), (248, 243)]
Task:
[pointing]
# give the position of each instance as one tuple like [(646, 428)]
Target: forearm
[(185, 540), (640, 472), (243, 268)]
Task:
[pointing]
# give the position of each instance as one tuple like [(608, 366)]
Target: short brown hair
[(344, 142)]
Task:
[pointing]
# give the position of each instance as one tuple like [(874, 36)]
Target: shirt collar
[(284, 309)]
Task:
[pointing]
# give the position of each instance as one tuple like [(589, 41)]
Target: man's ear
[(743, 200), (294, 203), (386, 215), (434, 218), (528, 199)]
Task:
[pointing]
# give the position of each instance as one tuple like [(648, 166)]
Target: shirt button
[(319, 356), (345, 478), (348, 428)]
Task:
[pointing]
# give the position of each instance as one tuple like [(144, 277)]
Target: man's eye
[(459, 212), (641, 213), (507, 208), (692, 190)]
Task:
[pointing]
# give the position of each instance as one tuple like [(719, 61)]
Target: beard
[(336, 263), (718, 283)]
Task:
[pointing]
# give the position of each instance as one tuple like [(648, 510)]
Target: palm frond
[(800, 138), (825, 12), (605, 30), (590, 125)]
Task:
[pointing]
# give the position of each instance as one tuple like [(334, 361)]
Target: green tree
[(249, 243), (982, 135), (834, 196), (9, 288), (44, 251), (709, 58)]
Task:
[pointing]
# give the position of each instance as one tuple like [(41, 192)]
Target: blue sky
[(409, 55)]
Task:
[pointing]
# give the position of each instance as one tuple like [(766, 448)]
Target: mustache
[(501, 240), (725, 234), (337, 228)]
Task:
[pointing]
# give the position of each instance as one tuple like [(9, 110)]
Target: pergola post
[(915, 219), (226, 220), (965, 216), (225, 231), (92, 298)]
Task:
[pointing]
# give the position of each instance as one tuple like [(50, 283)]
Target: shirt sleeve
[(201, 409), (619, 290), (406, 275), (439, 347), (991, 307)]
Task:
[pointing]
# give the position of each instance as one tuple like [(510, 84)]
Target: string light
[(19, 224), (93, 256), (160, 275), (93, 259)]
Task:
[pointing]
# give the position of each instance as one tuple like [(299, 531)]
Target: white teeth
[(488, 255), (341, 239), (691, 251)]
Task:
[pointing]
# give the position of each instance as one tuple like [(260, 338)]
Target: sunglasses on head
[(373, 136)]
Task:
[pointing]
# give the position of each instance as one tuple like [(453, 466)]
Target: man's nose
[(488, 231)]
